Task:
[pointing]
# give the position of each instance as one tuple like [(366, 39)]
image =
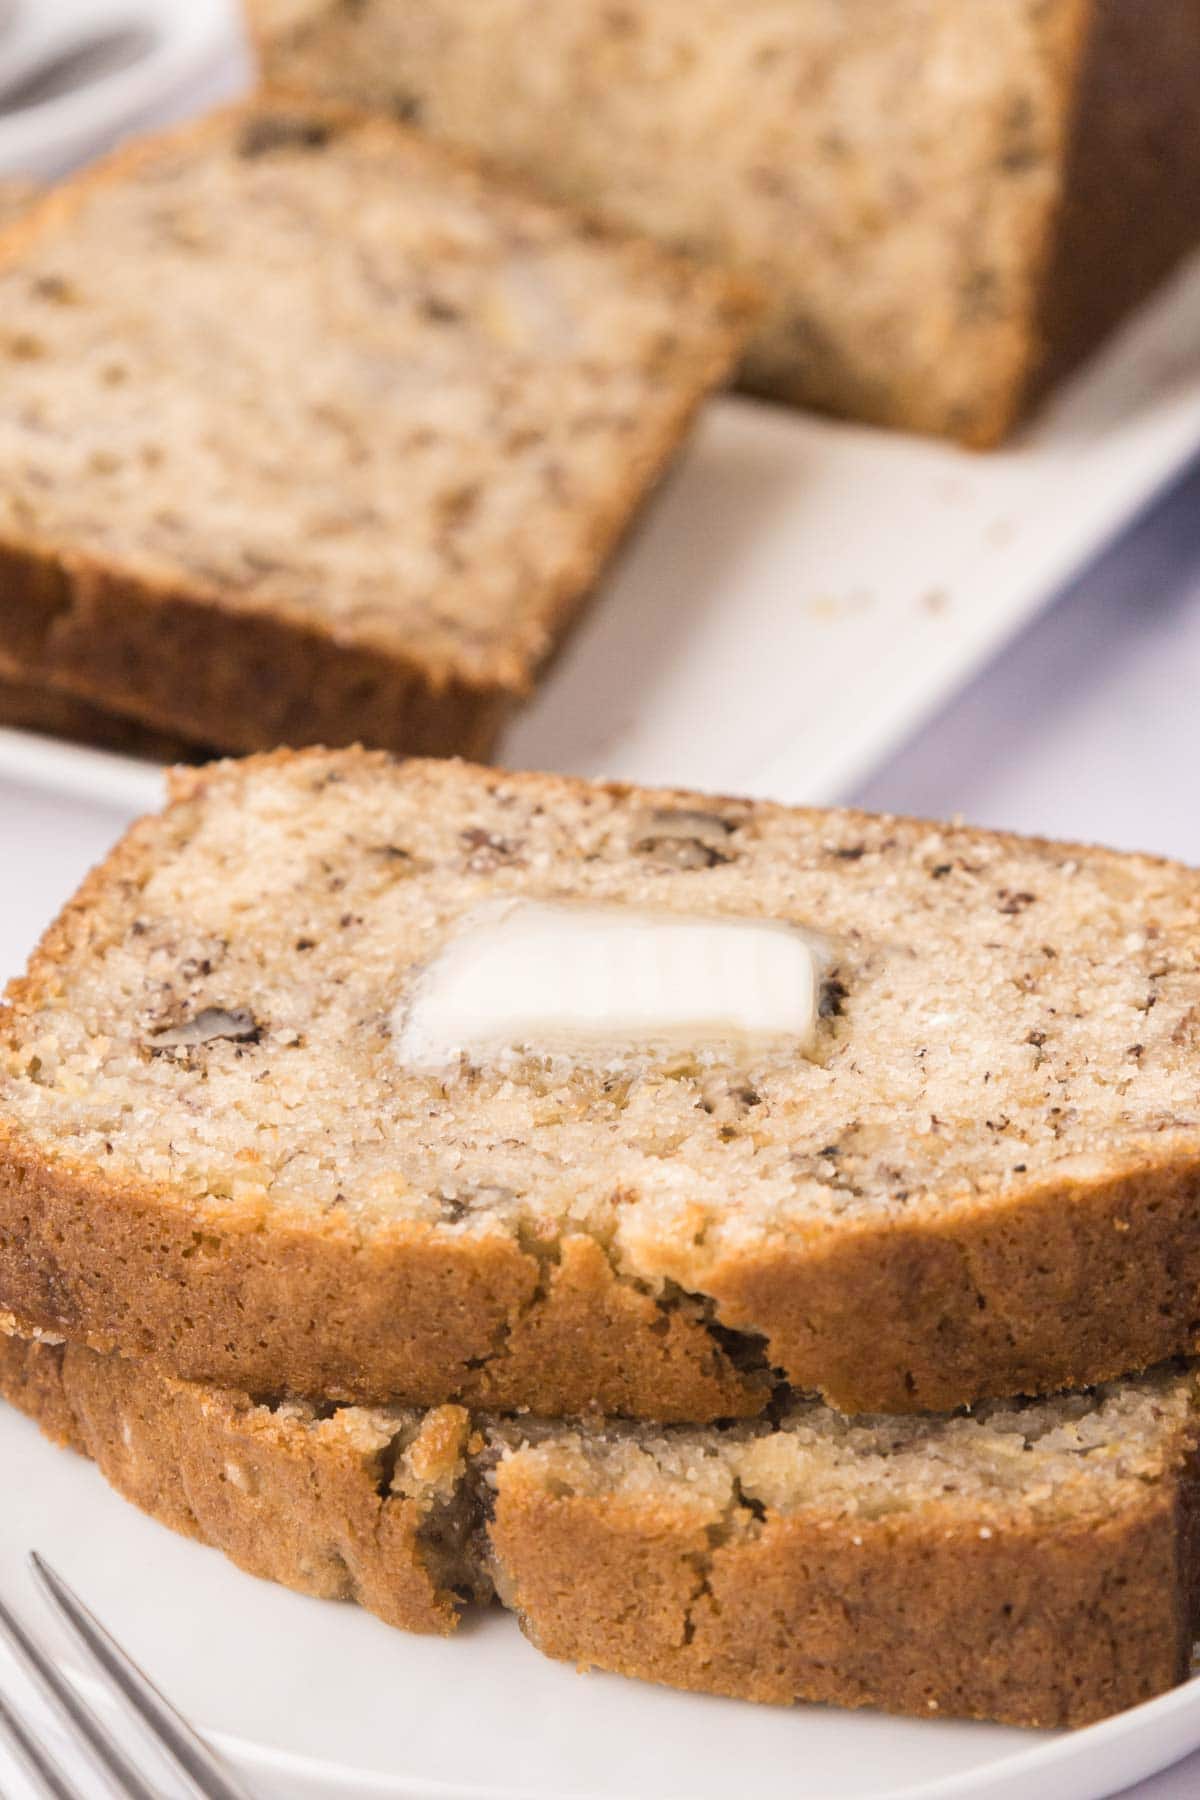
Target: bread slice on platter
[(314, 432)]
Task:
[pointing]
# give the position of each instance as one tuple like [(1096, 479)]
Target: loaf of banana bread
[(946, 205)]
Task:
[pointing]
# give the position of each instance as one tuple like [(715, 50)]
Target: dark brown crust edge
[(310, 1512), (1044, 1624), (1131, 191), (54, 713), (184, 664)]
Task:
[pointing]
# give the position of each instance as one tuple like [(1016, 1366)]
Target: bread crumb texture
[(1030, 1563), (984, 1178)]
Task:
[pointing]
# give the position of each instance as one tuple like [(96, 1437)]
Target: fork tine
[(104, 1747), (34, 1757), (173, 1732)]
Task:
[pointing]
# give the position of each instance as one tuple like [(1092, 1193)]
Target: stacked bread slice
[(1028, 1563), (738, 1366), (313, 431)]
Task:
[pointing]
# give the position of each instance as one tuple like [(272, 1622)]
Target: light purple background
[(1088, 726)]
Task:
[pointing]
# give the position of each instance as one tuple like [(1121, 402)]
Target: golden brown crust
[(1048, 1622), (907, 1614), (181, 659), (299, 1505), (408, 1316)]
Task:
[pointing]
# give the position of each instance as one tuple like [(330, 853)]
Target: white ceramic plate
[(804, 593)]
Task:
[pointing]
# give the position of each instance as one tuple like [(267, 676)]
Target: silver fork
[(185, 1751)]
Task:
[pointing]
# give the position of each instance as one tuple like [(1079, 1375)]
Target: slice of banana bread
[(313, 432), (938, 230), (981, 1177), (1032, 1563)]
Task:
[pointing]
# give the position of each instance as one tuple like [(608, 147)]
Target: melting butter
[(598, 981)]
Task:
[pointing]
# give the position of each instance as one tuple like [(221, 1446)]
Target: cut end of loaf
[(932, 229)]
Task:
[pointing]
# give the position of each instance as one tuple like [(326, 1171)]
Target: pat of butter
[(596, 981)]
